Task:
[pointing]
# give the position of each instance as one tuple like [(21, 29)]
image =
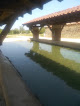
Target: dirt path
[(24, 38)]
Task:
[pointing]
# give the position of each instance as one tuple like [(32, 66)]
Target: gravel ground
[(24, 38)]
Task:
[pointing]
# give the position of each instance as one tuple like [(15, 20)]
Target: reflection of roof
[(68, 15), (9, 8)]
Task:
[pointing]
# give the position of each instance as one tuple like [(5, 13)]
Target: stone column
[(56, 32), (35, 31)]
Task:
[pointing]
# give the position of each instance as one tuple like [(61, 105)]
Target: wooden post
[(6, 30)]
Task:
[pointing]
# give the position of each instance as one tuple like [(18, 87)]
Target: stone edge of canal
[(71, 45), (15, 92)]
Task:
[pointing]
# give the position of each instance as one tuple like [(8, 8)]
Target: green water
[(51, 72)]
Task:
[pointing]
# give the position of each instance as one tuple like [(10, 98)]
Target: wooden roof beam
[(8, 10)]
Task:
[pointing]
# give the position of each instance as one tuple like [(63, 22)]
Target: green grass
[(17, 35)]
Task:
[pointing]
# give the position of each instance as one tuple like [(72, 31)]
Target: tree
[(10, 32), (28, 31), (42, 30), (0, 30), (22, 30), (16, 31)]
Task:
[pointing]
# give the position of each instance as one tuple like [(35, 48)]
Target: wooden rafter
[(10, 7)]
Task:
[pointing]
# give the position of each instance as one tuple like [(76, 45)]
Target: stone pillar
[(35, 31), (56, 32)]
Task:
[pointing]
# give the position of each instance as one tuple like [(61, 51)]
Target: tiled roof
[(74, 12)]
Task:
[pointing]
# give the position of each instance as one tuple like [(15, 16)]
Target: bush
[(0, 30), (16, 31), (42, 30), (28, 31)]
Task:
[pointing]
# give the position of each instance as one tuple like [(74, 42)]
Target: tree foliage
[(16, 31), (21, 30), (0, 30), (42, 30), (28, 31)]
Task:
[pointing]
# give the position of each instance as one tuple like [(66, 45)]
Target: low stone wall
[(71, 45), (16, 93)]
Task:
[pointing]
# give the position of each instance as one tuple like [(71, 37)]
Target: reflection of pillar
[(6, 30), (56, 51), (35, 46), (35, 31), (56, 55), (56, 32)]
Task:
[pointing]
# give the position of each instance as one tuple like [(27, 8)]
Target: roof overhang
[(61, 17), (9, 8)]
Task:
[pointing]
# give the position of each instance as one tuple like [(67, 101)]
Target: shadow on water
[(67, 70)]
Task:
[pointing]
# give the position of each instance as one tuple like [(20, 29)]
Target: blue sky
[(50, 7)]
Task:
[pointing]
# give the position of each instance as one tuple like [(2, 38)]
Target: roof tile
[(56, 14)]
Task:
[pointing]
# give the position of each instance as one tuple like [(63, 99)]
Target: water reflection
[(46, 69), (54, 61), (71, 55)]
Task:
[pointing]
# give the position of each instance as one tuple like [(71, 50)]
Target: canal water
[(52, 73)]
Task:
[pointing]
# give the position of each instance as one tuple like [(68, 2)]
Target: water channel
[(51, 72)]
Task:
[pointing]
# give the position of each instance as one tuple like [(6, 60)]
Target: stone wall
[(68, 31), (71, 31), (48, 32)]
